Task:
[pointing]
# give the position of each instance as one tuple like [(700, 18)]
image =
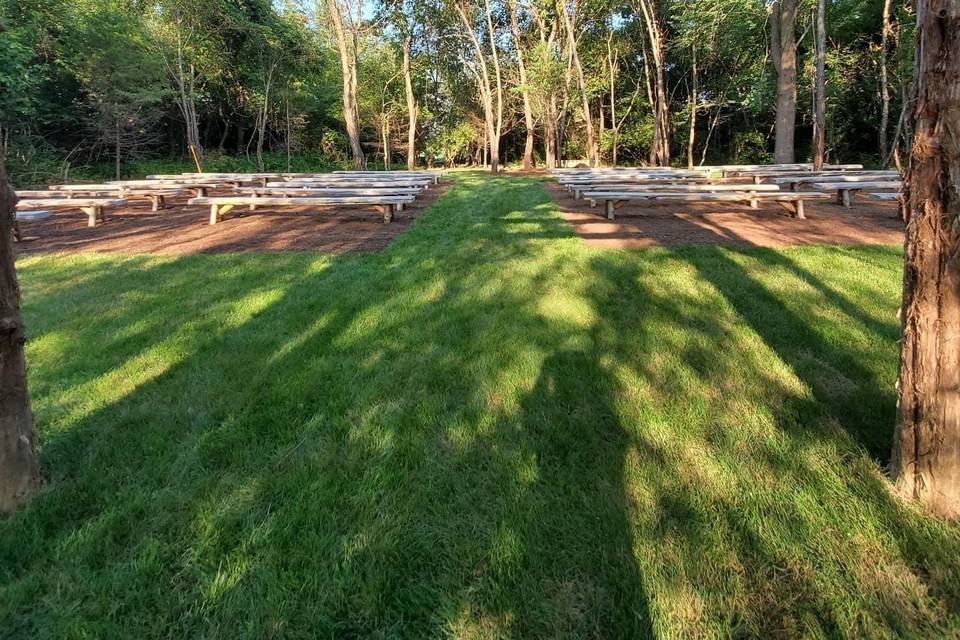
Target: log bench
[(794, 181), (844, 190), (221, 205), (93, 207), (610, 198)]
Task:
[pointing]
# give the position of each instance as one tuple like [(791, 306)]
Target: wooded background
[(105, 86)]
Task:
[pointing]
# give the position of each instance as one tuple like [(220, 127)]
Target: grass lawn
[(488, 430)]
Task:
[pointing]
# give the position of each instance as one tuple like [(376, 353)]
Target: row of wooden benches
[(389, 191)]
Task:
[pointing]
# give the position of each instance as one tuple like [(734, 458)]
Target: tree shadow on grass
[(337, 453)]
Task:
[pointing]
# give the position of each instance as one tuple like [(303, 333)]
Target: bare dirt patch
[(184, 229), (641, 225)]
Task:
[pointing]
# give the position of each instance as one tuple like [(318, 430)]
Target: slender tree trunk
[(19, 472), (348, 67), (524, 90), (660, 153), (819, 88), (885, 81), (498, 129), (116, 150), (614, 125), (289, 158), (411, 107), (783, 44), (264, 114), (926, 453), (692, 138), (582, 85), (493, 118)]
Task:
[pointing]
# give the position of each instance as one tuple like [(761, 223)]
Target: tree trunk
[(263, 115), (692, 138), (582, 85), (524, 90), (289, 159), (660, 153), (19, 472), (116, 151), (926, 452), (411, 108), (495, 138), (819, 87), (886, 32), (493, 118), (348, 68), (783, 45)]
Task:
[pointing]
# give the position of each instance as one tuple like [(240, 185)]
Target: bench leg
[(253, 207), (593, 203), (846, 198), (94, 215), (609, 207), (753, 202), (214, 214), (201, 192), (387, 213), (798, 210), (154, 203)]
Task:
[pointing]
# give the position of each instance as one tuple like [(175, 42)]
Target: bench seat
[(844, 190), (328, 191), (93, 207), (219, 206), (610, 198)]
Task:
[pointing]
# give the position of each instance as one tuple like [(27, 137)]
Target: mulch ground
[(640, 225), (184, 229)]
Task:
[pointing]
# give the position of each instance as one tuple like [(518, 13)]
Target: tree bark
[(19, 472), (411, 107), (886, 32), (524, 90), (819, 88), (925, 464), (493, 118), (783, 45), (692, 138), (660, 152), (263, 115), (348, 66), (582, 85)]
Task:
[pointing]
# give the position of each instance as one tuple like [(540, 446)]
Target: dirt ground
[(672, 224), (183, 229)]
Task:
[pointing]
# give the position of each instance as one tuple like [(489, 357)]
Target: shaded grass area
[(487, 430)]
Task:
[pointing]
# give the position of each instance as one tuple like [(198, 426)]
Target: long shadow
[(318, 443)]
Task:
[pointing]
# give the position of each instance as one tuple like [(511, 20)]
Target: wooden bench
[(220, 206), (297, 192), (797, 199), (674, 188), (349, 183), (93, 207), (845, 189), (794, 181), (157, 197)]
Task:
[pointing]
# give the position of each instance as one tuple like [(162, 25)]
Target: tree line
[(432, 82)]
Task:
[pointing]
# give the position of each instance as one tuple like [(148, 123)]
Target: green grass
[(487, 430)]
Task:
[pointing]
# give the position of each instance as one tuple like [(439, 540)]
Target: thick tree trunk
[(926, 453), (348, 67), (783, 45), (19, 473), (885, 81), (411, 108), (819, 88)]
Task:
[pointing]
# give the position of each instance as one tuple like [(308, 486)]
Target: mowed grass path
[(487, 430)]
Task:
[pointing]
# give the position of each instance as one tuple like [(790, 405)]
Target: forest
[(107, 87)]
